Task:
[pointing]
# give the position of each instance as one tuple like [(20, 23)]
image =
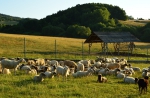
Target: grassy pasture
[(12, 45), (22, 86), (135, 22)]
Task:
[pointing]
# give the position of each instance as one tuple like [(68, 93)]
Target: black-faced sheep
[(101, 79)]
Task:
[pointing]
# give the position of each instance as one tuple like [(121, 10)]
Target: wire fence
[(27, 48)]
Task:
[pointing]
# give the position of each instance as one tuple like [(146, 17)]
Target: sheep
[(83, 73), (145, 73), (52, 62), (42, 69), (142, 84), (131, 80), (97, 64), (31, 71), (40, 62), (11, 64), (30, 62), (135, 68), (70, 64), (80, 67), (101, 79), (103, 71), (39, 78), (50, 74), (120, 75), (6, 71), (112, 65), (64, 71)]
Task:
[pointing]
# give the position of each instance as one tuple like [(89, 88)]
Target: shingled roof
[(111, 37)]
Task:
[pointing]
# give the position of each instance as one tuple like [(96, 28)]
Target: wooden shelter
[(112, 37)]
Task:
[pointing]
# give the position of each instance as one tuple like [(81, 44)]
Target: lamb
[(64, 71), (83, 73), (131, 80), (39, 78), (6, 71), (142, 84), (50, 74), (11, 64), (101, 79)]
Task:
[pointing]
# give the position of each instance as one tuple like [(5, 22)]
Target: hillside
[(79, 21)]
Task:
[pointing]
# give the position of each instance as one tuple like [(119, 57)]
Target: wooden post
[(24, 47), (90, 44)]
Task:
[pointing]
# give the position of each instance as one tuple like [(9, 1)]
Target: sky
[(41, 8)]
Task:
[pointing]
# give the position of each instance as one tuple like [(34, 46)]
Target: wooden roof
[(111, 37)]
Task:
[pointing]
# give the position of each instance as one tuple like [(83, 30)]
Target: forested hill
[(75, 22), (4, 17)]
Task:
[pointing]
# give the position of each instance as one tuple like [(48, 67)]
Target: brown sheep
[(143, 83), (70, 64)]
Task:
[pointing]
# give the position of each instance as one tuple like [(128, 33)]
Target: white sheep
[(31, 71), (11, 64), (113, 65), (120, 75), (80, 67), (131, 80), (83, 73), (64, 71), (145, 73), (52, 62), (39, 78), (50, 74), (6, 71), (39, 62)]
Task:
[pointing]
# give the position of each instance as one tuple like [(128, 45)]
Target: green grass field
[(23, 86)]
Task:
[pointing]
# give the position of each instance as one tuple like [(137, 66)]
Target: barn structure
[(112, 37)]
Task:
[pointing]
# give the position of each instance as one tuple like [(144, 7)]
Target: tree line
[(78, 22)]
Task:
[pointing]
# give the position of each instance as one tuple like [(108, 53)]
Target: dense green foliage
[(78, 22)]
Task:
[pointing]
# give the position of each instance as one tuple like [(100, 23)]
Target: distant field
[(9, 22), (135, 22), (12, 45)]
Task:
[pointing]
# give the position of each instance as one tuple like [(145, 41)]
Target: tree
[(77, 31)]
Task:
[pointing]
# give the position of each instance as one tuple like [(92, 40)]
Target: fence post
[(147, 54), (82, 50), (24, 47), (55, 49)]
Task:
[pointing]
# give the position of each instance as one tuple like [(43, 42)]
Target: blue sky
[(41, 8)]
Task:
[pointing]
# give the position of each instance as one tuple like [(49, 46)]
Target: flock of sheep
[(43, 68)]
